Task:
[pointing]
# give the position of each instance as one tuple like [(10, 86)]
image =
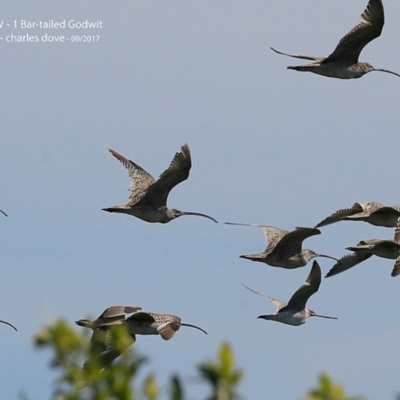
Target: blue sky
[(269, 146)]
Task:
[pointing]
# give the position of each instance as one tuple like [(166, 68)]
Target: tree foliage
[(222, 375), (328, 390), (71, 350)]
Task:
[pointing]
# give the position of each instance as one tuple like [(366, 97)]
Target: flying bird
[(343, 62), (284, 248), (148, 198), (367, 248), (139, 323), (295, 311), (372, 212)]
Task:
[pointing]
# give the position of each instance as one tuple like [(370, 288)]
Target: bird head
[(174, 213), (87, 323), (365, 68), (310, 254), (312, 313)]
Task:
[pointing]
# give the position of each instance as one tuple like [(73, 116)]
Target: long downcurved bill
[(389, 72), (7, 323), (200, 215), (324, 316), (194, 326), (325, 256), (3, 213)]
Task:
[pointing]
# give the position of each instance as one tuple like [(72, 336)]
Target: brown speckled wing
[(350, 46), (396, 268), (397, 232), (177, 172), (168, 329), (115, 311), (347, 262), (141, 179), (338, 215), (292, 242)]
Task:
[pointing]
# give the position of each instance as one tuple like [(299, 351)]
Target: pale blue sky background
[(269, 146)]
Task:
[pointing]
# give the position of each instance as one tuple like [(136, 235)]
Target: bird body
[(148, 198), (284, 248), (370, 211), (365, 249), (343, 62), (295, 312), (289, 317), (139, 323)]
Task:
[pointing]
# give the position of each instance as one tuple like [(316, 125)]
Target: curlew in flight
[(295, 311), (343, 62), (139, 323), (148, 198), (372, 212), (367, 248), (284, 248)]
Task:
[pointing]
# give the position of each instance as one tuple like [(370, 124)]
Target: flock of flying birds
[(148, 201)]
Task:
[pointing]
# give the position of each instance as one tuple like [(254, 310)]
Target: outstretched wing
[(396, 268), (272, 235), (168, 329), (115, 311), (340, 214), (177, 172), (102, 349), (348, 261), (350, 46), (141, 179), (300, 56), (299, 299), (277, 303), (292, 242), (397, 232)]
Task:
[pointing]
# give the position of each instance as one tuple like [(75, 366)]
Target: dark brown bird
[(372, 212), (343, 62), (139, 323), (148, 198), (367, 248), (284, 248)]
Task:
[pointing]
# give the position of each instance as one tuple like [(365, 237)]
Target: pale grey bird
[(139, 323), (284, 248), (372, 212), (367, 248), (3, 213), (295, 311), (148, 198), (343, 62)]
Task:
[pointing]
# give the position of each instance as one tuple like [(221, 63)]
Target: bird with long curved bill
[(148, 198), (104, 350), (295, 312), (284, 248), (343, 62)]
